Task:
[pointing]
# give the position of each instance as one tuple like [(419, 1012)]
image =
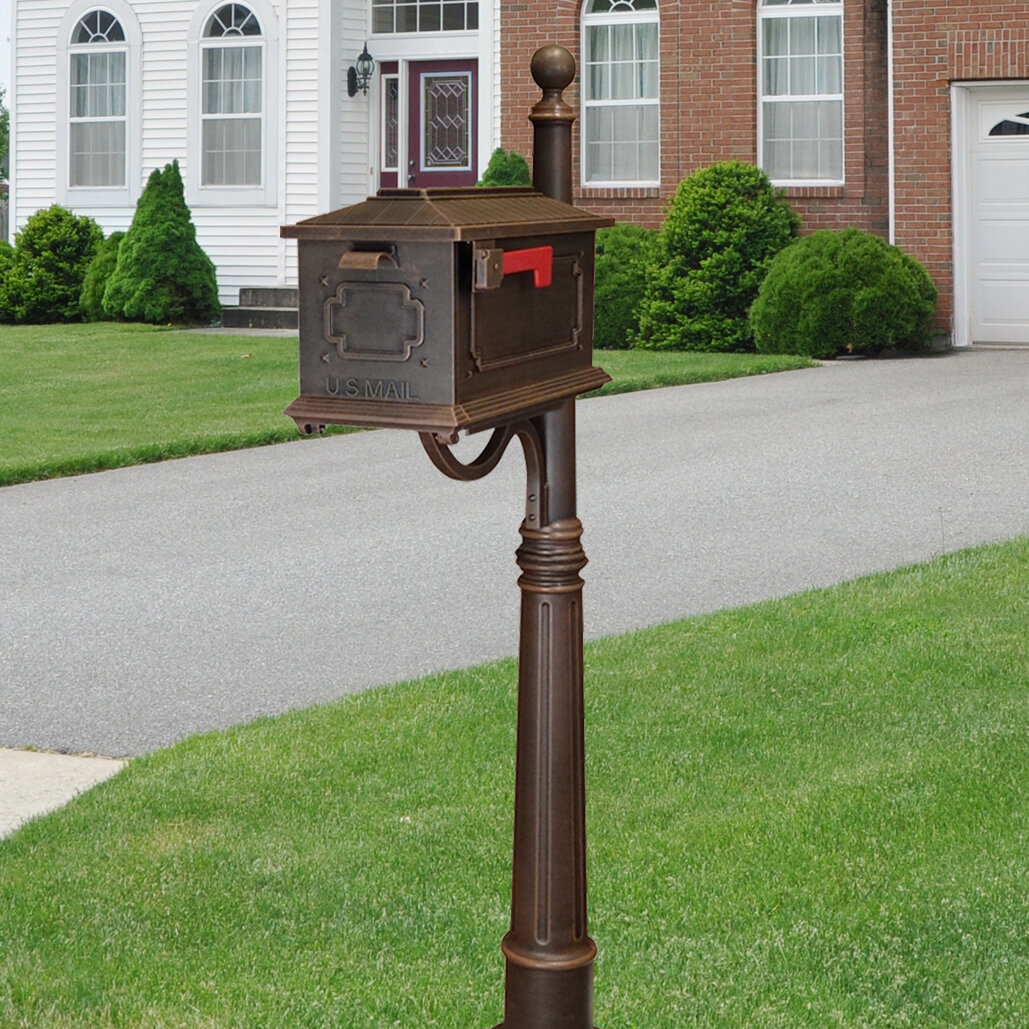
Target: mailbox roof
[(449, 214)]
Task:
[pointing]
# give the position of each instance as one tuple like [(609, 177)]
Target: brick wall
[(709, 102), (936, 44), (709, 99)]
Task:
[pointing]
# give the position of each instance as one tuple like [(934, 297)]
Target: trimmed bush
[(43, 280), (621, 274), (162, 276), (725, 223), (506, 168), (6, 257), (97, 274), (849, 292)]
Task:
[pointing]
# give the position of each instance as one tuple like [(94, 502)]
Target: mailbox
[(444, 309)]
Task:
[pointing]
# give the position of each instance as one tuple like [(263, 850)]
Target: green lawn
[(80, 398), (810, 812)]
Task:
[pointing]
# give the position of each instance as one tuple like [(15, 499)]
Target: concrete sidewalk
[(142, 605), (34, 783)]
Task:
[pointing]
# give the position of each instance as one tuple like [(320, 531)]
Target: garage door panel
[(998, 198), (1002, 241), (1002, 180)]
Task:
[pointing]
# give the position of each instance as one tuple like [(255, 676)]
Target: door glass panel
[(446, 121), (390, 123)]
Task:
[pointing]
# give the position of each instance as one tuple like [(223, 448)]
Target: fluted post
[(549, 954)]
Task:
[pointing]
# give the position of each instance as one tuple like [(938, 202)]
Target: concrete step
[(260, 318), (269, 296)]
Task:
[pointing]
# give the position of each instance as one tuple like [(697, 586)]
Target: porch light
[(360, 75)]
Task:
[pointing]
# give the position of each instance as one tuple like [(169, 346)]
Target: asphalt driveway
[(142, 605)]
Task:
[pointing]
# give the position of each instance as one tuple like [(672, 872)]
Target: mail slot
[(444, 309)]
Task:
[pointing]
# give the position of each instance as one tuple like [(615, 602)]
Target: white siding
[(32, 97), (242, 241), (320, 136), (353, 162), (302, 159)]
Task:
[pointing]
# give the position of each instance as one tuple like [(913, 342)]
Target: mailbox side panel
[(376, 324), (521, 334)]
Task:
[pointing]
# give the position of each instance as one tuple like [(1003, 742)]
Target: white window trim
[(265, 195), (99, 196), (617, 18), (818, 8)]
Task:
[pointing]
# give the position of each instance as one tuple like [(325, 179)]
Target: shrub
[(835, 293), (622, 255), (724, 225), (506, 168), (162, 275), (44, 277), (6, 257), (95, 281)]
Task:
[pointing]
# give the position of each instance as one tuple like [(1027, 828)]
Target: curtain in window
[(97, 115), (621, 96), (802, 91), (232, 103)]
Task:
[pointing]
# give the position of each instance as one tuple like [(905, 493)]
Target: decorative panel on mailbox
[(444, 309)]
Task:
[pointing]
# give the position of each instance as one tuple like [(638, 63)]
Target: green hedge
[(506, 168), (725, 224), (162, 276), (623, 253), (850, 292), (42, 280)]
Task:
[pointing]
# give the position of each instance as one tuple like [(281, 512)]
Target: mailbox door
[(531, 326)]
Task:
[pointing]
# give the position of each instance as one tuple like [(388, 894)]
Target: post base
[(541, 998)]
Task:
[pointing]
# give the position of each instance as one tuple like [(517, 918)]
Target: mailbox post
[(443, 310)]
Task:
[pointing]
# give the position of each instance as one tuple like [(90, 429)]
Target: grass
[(810, 812), (82, 398), (633, 370)]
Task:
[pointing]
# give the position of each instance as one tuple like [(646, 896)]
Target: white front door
[(997, 218)]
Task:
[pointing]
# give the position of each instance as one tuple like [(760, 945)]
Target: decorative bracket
[(531, 436)]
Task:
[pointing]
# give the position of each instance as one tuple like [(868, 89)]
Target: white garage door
[(999, 215)]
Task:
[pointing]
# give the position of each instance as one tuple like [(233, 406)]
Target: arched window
[(800, 82), (97, 103), (232, 98), (620, 93)]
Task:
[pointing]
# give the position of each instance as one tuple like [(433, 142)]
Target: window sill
[(837, 189), (96, 196), (626, 192)]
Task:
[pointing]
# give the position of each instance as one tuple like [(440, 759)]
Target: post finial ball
[(553, 67)]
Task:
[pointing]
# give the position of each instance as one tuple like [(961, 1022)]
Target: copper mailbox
[(444, 309)]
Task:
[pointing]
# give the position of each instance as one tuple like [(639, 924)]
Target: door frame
[(416, 113), (416, 48), (964, 97)]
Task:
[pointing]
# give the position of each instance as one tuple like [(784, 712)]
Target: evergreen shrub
[(506, 168), (623, 252), (162, 276), (44, 276), (6, 257), (850, 292), (97, 274), (724, 225)]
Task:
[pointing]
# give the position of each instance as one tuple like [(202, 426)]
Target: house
[(900, 117), (252, 99), (906, 119)]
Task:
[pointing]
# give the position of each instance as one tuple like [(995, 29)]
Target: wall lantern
[(360, 75)]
